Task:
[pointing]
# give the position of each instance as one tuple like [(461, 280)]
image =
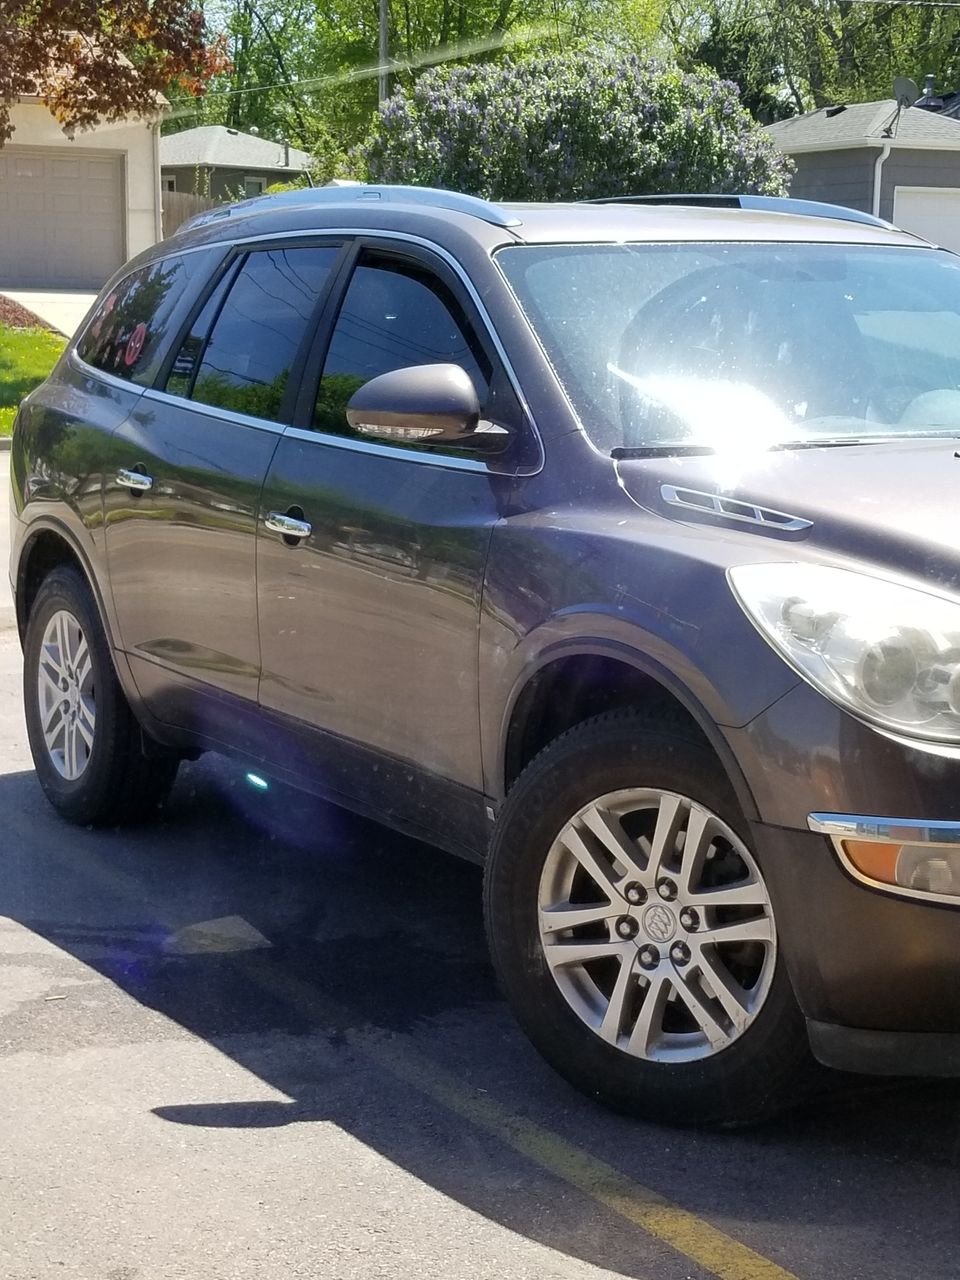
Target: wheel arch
[(46, 546), (597, 677)]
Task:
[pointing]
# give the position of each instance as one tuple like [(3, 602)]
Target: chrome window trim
[(391, 451), (101, 375), (366, 233), (215, 411), (403, 237), (839, 827)]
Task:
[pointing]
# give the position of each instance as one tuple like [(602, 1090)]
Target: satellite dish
[(905, 91)]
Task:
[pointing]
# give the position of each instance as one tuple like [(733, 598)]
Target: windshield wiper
[(662, 451)]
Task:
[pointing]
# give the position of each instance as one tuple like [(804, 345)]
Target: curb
[(6, 444)]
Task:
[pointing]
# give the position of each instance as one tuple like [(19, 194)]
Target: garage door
[(61, 218), (932, 212)]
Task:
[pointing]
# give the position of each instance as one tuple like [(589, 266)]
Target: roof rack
[(345, 193), (764, 204)]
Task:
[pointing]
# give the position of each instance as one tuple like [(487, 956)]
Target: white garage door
[(932, 212), (61, 218)]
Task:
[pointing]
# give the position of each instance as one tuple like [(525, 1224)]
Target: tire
[(625, 1017), (87, 746)]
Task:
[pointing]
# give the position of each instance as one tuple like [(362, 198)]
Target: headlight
[(889, 654)]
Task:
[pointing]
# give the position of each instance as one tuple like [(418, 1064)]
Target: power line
[(428, 58)]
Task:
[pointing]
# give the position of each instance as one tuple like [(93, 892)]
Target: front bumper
[(876, 975)]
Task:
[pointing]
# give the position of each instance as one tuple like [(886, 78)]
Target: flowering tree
[(572, 126), (89, 61)]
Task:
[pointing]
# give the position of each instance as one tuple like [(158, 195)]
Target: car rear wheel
[(634, 933), (87, 746)]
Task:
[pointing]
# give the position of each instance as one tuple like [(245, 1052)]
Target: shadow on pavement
[(385, 935)]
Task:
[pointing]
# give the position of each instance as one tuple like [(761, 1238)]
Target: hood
[(894, 504)]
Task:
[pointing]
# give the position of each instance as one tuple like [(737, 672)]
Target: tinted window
[(256, 336), (394, 315), (180, 379), (131, 322)]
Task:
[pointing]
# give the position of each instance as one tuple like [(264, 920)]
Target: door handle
[(135, 480), (288, 526)]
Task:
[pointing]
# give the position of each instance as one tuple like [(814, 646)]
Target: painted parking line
[(696, 1239), (712, 1249)]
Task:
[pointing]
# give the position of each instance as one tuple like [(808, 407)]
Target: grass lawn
[(26, 357)]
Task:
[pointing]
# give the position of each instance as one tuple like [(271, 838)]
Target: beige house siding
[(223, 184), (134, 142)]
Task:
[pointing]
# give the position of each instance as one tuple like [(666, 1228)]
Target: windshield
[(726, 346)]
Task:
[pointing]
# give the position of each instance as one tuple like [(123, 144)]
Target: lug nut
[(679, 953), (627, 927), (635, 893), (666, 889), (689, 919), (649, 957)]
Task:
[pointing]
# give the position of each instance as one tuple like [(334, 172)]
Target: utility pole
[(383, 54)]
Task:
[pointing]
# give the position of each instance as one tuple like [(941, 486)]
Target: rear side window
[(261, 325), (130, 325)]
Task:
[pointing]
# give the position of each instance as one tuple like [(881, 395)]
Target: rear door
[(181, 510), (369, 622)]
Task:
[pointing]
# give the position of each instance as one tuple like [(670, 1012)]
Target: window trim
[(233, 262), (432, 259)]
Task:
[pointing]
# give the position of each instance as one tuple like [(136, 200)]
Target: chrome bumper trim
[(855, 826)]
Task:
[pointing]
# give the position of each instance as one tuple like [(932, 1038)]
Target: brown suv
[(615, 545)]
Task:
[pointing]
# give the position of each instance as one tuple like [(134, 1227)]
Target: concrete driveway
[(61, 309)]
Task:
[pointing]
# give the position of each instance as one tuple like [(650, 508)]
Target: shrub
[(572, 126)]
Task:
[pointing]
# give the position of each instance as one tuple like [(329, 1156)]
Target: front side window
[(131, 322), (246, 363), (395, 314), (747, 345)]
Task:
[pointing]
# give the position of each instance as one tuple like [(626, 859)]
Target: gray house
[(903, 165), (225, 164)]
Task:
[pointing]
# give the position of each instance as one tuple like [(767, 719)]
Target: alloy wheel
[(657, 926), (66, 696)]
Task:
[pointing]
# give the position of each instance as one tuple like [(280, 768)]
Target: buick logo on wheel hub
[(659, 923)]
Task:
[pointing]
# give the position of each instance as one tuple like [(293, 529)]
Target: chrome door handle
[(287, 525), (134, 480)]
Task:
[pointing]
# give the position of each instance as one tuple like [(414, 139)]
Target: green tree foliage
[(572, 126), (307, 72)]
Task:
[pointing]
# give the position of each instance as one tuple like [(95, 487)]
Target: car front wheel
[(86, 744), (634, 933)]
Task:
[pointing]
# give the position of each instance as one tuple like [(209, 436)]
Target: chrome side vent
[(712, 504)]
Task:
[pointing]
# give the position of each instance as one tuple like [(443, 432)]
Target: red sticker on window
[(135, 345)]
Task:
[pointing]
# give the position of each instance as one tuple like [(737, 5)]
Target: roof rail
[(764, 204), (342, 193)]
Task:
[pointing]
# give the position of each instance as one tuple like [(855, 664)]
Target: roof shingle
[(213, 146), (866, 122)]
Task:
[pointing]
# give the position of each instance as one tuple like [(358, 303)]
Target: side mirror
[(427, 404)]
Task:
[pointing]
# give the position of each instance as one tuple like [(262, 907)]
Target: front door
[(369, 622), (182, 510)]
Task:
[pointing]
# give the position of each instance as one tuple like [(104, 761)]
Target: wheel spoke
[(612, 1024), (696, 844), (706, 1019), (601, 875), (54, 726), (61, 641), (84, 725), (569, 916), (759, 929), (724, 990), (669, 819), (735, 895), (70, 751), (84, 664), (608, 829), (650, 1018), (564, 953)]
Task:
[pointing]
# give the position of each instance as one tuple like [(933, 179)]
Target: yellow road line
[(704, 1244), (696, 1239)]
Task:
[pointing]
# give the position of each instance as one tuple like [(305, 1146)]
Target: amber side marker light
[(919, 868)]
